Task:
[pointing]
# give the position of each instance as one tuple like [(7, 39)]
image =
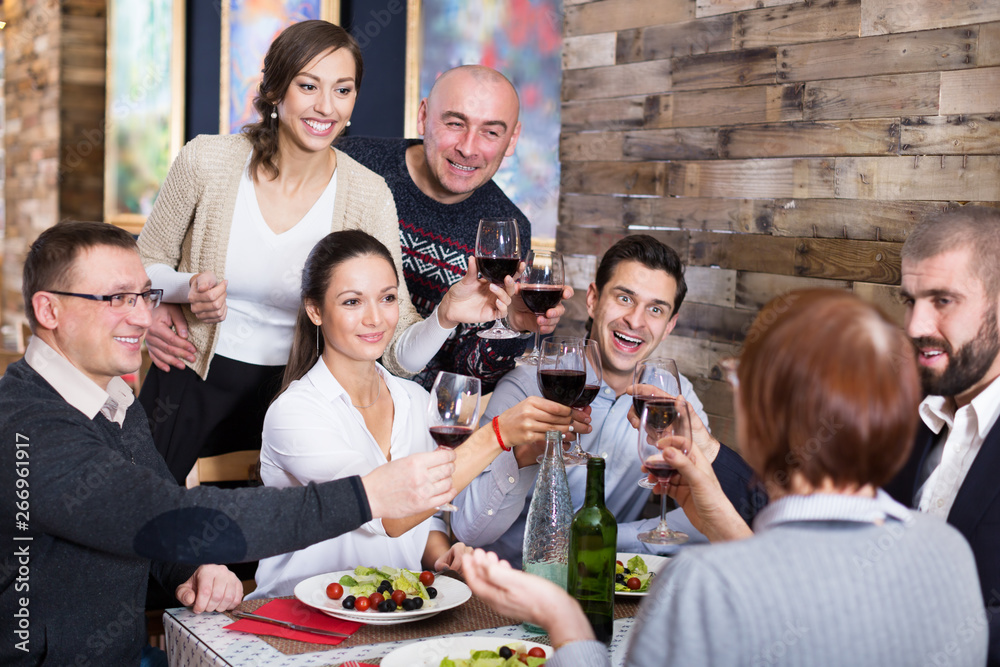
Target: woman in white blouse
[(340, 413)]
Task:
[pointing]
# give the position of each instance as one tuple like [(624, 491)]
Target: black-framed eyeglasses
[(151, 297)]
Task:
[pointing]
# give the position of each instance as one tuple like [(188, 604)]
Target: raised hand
[(527, 597), (700, 435), (411, 485), (207, 297), (472, 300), (697, 490), (166, 348), (522, 319)]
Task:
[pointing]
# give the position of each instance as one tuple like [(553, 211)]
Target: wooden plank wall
[(776, 144)]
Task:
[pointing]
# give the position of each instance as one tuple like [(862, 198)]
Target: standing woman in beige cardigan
[(228, 236)]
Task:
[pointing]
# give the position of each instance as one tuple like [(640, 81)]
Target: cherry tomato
[(537, 652), (334, 591), (634, 584), (398, 596), (618, 562), (426, 578), (362, 604), (375, 599)]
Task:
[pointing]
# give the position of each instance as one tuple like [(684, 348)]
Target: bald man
[(443, 185)]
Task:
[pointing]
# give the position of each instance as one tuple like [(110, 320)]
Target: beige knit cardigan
[(188, 228)]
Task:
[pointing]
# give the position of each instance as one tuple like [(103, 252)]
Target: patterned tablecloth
[(195, 640)]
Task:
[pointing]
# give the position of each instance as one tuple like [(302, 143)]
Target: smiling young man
[(89, 508), (951, 287), (443, 185), (633, 304)]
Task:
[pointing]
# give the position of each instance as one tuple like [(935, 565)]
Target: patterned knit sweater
[(188, 228), (436, 240)]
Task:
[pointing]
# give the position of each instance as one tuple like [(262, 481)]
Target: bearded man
[(951, 287)]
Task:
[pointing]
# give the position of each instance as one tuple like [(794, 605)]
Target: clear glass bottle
[(547, 531), (592, 551)]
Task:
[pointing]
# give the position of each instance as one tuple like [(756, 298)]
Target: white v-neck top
[(264, 271), (312, 433)]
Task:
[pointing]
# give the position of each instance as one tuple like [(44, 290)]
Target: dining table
[(202, 640)]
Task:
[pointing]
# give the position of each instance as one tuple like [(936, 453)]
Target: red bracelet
[(496, 429)]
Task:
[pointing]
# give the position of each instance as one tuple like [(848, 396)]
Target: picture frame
[(144, 106), (248, 28), (523, 40)]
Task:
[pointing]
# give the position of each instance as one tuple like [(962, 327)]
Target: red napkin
[(294, 611)]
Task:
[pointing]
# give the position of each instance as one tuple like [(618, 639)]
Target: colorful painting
[(522, 39), (248, 28), (145, 102)]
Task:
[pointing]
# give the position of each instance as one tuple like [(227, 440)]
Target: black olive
[(390, 605), (417, 602), (383, 606), (619, 578), (628, 571), (505, 652), (432, 592), (349, 602), (409, 604), (385, 582)]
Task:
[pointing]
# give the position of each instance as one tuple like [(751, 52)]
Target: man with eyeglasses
[(88, 508)]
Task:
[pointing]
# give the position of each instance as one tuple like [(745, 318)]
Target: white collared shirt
[(76, 388), (967, 429)]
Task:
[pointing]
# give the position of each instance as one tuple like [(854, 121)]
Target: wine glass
[(655, 372), (665, 422), (541, 288), (562, 371), (498, 253), (592, 359), (453, 412)]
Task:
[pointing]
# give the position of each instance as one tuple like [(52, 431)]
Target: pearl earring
[(274, 112), (348, 123)]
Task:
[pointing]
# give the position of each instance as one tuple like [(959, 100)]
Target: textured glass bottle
[(546, 533), (592, 552)]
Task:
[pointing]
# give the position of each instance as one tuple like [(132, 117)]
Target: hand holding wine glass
[(664, 423), (562, 373), (498, 254), (453, 412), (541, 288), (651, 379), (592, 361)]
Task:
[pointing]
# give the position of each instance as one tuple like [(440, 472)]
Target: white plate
[(430, 652), (312, 592), (654, 563)]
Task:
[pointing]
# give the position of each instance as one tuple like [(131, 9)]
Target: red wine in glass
[(660, 468), (587, 397), (540, 298), (562, 386), (450, 437), (496, 269), (661, 412)]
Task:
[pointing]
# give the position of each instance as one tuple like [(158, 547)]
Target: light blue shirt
[(494, 507)]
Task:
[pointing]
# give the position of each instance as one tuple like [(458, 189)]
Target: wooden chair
[(240, 466)]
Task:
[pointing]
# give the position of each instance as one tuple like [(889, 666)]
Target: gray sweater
[(99, 511), (814, 588)]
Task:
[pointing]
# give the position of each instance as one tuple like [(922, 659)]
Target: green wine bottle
[(592, 552)]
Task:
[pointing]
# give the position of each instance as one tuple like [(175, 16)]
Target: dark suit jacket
[(976, 514)]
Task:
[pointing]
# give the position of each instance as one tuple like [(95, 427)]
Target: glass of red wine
[(665, 422), (562, 370), (453, 412), (498, 254), (541, 287), (592, 360), (651, 379)]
